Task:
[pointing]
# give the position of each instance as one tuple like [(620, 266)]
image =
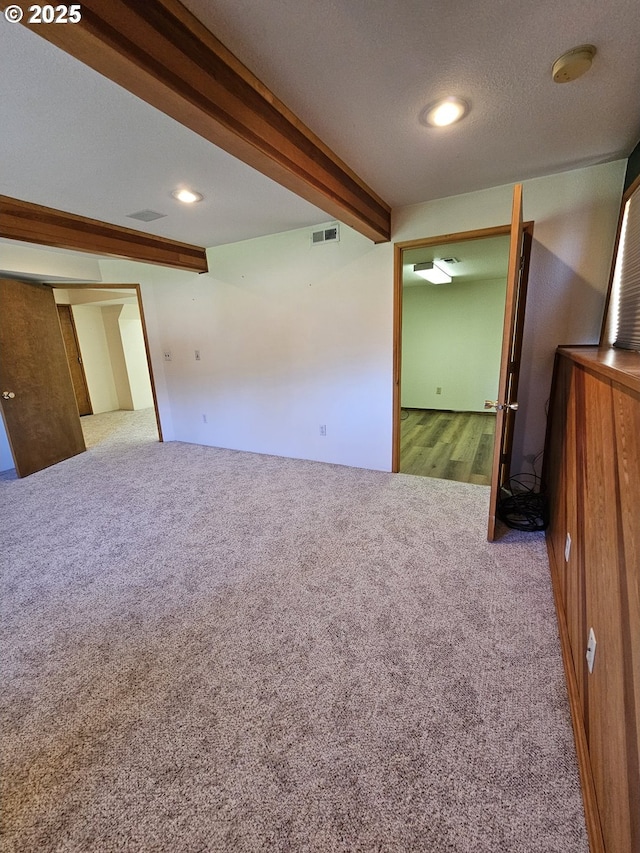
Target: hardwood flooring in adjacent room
[(449, 445)]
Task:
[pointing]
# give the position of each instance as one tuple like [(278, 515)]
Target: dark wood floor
[(449, 445)]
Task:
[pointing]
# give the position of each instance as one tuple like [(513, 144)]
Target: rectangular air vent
[(330, 234), (146, 215)]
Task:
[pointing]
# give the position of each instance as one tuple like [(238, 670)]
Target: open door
[(37, 398), (506, 405)]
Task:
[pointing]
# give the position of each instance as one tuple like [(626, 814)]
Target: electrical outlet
[(323, 429), (591, 649), (438, 390), (567, 548), (197, 352), (167, 355)]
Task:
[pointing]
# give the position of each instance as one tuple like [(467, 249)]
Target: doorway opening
[(451, 344), (448, 342), (112, 347)]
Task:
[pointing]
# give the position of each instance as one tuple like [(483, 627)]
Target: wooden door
[(506, 404), (74, 359), (41, 417)]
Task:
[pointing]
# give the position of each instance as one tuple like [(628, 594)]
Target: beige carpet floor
[(206, 650)]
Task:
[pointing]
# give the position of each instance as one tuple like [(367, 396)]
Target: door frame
[(138, 291), (398, 250), (70, 356)]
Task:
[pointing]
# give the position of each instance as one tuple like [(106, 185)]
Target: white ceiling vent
[(146, 215), (330, 234)]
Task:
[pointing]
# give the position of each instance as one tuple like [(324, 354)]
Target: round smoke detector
[(573, 64)]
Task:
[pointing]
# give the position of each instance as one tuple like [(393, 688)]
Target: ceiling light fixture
[(444, 112), (573, 64), (432, 272), (187, 196)]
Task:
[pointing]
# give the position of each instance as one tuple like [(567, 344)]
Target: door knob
[(8, 395), (488, 404)]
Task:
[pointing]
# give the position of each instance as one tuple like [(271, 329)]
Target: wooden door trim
[(138, 291), (46, 226), (457, 237), (173, 62), (505, 417), (527, 236), (398, 249)]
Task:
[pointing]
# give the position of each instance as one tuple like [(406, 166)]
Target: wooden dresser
[(592, 474)]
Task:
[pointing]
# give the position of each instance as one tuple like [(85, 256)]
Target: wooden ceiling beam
[(33, 223), (161, 53)]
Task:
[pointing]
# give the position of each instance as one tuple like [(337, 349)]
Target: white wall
[(111, 320), (114, 357), (135, 357), (96, 357), (48, 264), (153, 280), (293, 337), (451, 339)]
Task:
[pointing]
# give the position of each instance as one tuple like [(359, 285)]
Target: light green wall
[(451, 339)]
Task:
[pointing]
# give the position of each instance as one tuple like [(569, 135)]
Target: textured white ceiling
[(73, 140), (358, 73)]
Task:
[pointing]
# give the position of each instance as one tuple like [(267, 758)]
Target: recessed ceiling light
[(444, 112), (187, 196)]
